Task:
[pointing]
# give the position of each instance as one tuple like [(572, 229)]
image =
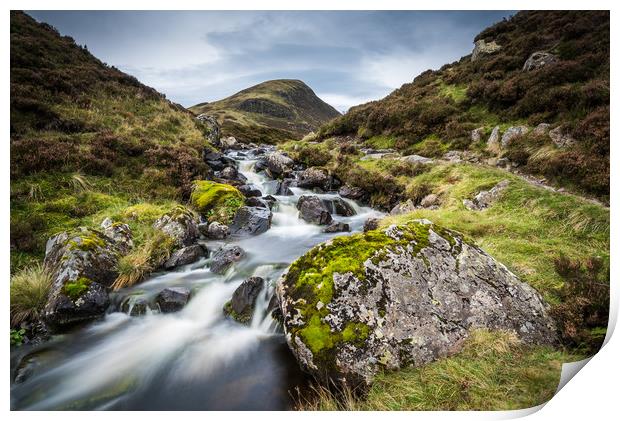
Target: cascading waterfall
[(192, 359)]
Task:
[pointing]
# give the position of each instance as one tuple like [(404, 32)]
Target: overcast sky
[(347, 58)]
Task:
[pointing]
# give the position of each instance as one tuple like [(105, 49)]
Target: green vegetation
[(77, 288), (154, 250), (494, 90), (87, 140), (270, 112), (458, 93), (28, 292), (218, 201), (494, 371), (17, 336), (310, 279), (245, 317), (381, 142), (526, 229)]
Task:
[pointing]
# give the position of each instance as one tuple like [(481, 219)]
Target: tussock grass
[(494, 371), (136, 265), (28, 291)]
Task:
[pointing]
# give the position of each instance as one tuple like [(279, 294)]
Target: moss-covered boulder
[(180, 224), (403, 295), (83, 265), (219, 202)]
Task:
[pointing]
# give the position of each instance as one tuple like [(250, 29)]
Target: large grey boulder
[(561, 138), (313, 210), (355, 193), (212, 128), (83, 264), (241, 305), (180, 224), (542, 129), (251, 221), (250, 190), (314, 178), (476, 134), (403, 207), (119, 233), (405, 295), (481, 47), (511, 133), (417, 159), (538, 60), (371, 224), (278, 164), (486, 198), (229, 142), (493, 141), (224, 257)]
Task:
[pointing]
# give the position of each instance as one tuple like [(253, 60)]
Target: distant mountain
[(269, 112), (549, 67)]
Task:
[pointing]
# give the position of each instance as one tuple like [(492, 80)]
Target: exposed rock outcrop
[(355, 193), (119, 233), (561, 138), (180, 224), (493, 141), (403, 295), (511, 133), (538, 60), (486, 198), (481, 47), (337, 227), (83, 264)]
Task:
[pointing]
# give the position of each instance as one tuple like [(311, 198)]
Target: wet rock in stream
[(241, 305), (224, 257), (313, 210), (172, 299)]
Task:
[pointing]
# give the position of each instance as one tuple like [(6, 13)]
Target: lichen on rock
[(403, 295)]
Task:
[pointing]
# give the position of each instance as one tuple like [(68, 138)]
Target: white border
[(592, 394)]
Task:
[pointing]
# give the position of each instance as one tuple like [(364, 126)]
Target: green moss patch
[(244, 317), (87, 240), (75, 289), (218, 201), (310, 278)]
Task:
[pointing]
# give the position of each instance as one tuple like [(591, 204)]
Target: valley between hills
[(446, 247)]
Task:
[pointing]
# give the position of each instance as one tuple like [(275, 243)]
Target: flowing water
[(194, 359)]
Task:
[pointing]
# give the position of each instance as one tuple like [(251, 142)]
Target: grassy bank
[(492, 372)]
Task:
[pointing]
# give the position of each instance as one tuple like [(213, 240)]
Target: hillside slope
[(565, 85), (269, 112), (86, 137)]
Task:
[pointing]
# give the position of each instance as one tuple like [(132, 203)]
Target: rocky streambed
[(301, 281), (167, 343)]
